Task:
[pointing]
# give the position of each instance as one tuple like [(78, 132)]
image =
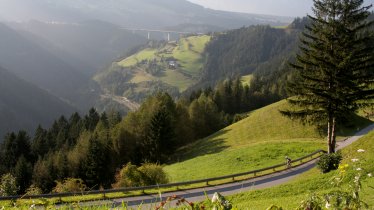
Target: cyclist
[(288, 162)]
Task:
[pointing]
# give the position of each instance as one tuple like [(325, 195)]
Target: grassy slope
[(290, 195), (188, 53), (263, 139), (246, 80), (145, 54)]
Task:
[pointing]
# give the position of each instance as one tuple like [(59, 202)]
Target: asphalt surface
[(200, 194)]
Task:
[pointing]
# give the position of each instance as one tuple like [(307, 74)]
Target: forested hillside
[(262, 51), (157, 66), (94, 146), (25, 106), (241, 52)]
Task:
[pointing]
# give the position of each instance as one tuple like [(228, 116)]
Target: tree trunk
[(331, 134)]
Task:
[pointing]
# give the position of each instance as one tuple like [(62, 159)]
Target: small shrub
[(239, 117), (34, 190), (147, 174), (274, 207), (313, 202), (70, 185), (153, 174), (329, 162), (8, 185), (128, 176)]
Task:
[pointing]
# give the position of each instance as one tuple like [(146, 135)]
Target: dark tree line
[(239, 52), (47, 156), (95, 146), (262, 51)]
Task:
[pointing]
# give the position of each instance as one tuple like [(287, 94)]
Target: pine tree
[(205, 116), (76, 126), (13, 147), (43, 176), (9, 151), (91, 119), (23, 174), (159, 140), (334, 71), (39, 146), (114, 118), (97, 165)]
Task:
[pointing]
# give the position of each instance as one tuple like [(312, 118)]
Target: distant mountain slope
[(94, 43), (241, 51), (261, 50), (24, 106), (131, 13), (36, 65), (158, 66)]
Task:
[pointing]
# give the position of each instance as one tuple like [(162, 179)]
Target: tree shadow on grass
[(160, 74), (208, 145), (348, 126)]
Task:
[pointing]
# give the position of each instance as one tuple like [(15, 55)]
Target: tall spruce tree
[(160, 137), (334, 70)]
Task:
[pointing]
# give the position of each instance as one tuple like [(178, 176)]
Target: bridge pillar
[(149, 35)]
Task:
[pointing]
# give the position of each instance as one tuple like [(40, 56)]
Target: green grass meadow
[(239, 160), (188, 53), (246, 80), (263, 139), (290, 195), (146, 54)]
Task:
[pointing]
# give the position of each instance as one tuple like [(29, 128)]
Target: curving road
[(148, 201)]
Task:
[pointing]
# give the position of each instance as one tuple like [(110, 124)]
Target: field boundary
[(256, 173)]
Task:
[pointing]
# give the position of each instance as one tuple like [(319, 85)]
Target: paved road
[(147, 201), (354, 138)]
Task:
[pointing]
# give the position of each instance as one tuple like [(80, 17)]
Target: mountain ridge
[(130, 13), (81, 40), (25, 106)]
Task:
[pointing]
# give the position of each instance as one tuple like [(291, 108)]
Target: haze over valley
[(59, 46), (105, 101)]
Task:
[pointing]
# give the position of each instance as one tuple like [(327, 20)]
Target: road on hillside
[(133, 106), (195, 195)]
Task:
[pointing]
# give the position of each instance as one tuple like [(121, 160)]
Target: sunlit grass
[(189, 55), (246, 80), (175, 78), (312, 182), (239, 160), (146, 54), (262, 139), (141, 76)]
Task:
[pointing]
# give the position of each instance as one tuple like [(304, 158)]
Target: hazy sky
[(271, 7)]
